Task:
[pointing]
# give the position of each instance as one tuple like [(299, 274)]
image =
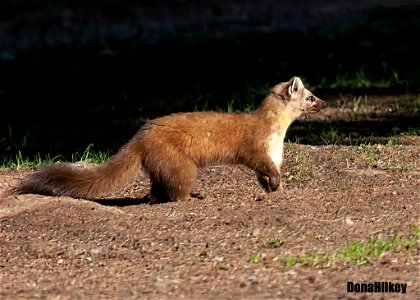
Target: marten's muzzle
[(317, 105)]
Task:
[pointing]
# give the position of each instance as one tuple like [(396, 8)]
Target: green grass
[(330, 135), (377, 156), (408, 104), (304, 168), (357, 253), (274, 242), (361, 80), (411, 131), (24, 161), (255, 258), (91, 156)]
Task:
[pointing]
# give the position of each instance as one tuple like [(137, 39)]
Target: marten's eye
[(311, 98)]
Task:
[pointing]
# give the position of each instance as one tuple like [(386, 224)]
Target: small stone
[(217, 259), (349, 221)]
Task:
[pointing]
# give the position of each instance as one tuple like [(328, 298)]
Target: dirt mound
[(236, 243)]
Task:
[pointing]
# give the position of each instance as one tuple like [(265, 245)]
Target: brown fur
[(171, 149)]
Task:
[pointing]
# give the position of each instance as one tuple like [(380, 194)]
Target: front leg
[(267, 172), (269, 184)]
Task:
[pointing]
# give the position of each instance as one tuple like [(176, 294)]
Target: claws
[(269, 184), (274, 183)]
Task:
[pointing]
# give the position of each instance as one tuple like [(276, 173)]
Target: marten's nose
[(321, 104)]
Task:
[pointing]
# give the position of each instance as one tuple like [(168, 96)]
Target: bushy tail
[(88, 183)]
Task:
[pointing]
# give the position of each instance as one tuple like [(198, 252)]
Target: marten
[(170, 150)]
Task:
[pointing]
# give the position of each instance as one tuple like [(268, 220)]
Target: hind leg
[(174, 183), (158, 193)]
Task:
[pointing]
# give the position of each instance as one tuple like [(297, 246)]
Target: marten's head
[(297, 97)]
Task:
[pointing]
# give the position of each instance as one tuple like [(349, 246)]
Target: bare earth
[(218, 247)]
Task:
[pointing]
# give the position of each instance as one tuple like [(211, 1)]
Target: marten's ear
[(295, 85)]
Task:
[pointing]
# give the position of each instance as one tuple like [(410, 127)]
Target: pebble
[(256, 232), (217, 259)]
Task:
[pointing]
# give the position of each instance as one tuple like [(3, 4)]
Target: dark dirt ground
[(124, 248)]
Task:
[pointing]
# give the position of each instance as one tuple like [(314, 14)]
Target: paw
[(264, 182), (269, 184), (274, 183)]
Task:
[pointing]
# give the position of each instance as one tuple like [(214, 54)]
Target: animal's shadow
[(121, 202)]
